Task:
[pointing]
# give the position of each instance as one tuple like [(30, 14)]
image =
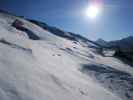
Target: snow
[(108, 53), (49, 69)]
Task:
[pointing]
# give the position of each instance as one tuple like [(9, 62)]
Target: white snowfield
[(54, 68)]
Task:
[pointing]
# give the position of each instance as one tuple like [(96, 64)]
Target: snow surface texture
[(55, 68)]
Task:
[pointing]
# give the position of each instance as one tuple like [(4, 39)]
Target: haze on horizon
[(113, 21)]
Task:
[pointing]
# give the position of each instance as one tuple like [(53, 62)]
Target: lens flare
[(93, 10)]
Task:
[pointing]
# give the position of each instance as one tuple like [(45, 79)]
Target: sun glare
[(93, 11)]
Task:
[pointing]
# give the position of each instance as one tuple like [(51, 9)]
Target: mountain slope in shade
[(123, 48), (126, 44), (54, 67)]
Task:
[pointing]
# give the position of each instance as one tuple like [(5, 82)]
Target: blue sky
[(114, 22)]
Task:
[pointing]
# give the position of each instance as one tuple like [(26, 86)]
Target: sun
[(93, 11)]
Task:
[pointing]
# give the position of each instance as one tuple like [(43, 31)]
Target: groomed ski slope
[(51, 68)]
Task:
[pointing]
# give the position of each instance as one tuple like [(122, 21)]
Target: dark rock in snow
[(19, 25)]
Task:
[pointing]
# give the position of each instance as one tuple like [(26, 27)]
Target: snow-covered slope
[(56, 68)]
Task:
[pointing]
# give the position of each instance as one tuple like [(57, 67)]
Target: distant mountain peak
[(101, 42)]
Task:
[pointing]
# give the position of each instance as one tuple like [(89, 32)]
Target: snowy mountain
[(126, 44), (123, 47), (68, 35), (37, 63), (102, 42)]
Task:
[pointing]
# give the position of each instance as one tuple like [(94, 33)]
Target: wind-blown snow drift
[(57, 68)]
